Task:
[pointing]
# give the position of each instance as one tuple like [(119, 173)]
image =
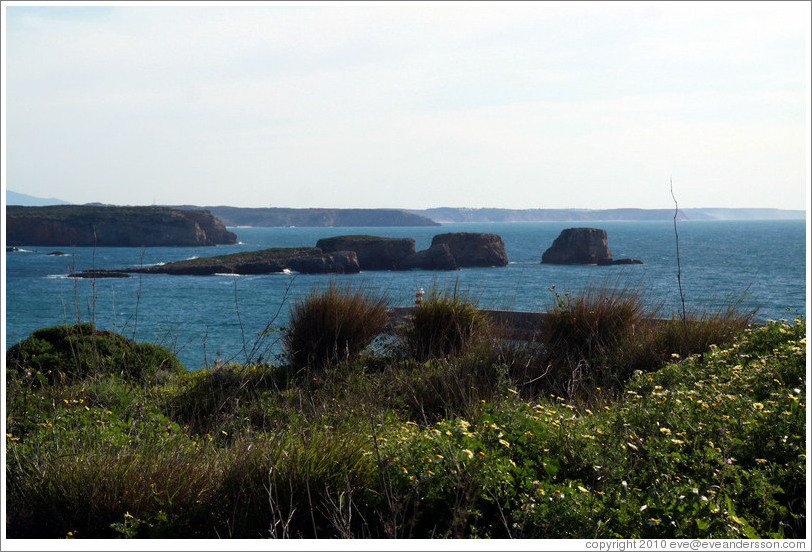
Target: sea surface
[(754, 264)]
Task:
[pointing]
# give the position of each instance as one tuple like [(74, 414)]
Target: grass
[(334, 324), (446, 323), (707, 443)]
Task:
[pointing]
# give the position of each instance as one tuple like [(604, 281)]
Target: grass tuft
[(446, 323), (331, 325)]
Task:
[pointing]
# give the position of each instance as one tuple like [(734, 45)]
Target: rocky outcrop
[(582, 246), (436, 257), (374, 252), (99, 274), (110, 226), (306, 260), (625, 261), (471, 249), (578, 246)]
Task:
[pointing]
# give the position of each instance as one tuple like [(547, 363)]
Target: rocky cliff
[(471, 249), (374, 252), (582, 246), (112, 226)]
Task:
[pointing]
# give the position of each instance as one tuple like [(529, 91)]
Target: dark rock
[(373, 252), (100, 274), (578, 246), (626, 261), (12, 249), (436, 257), (474, 249), (340, 262), (58, 254), (307, 260), (102, 226)]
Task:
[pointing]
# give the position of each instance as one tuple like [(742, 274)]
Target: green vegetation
[(66, 353), (65, 212), (445, 323), (470, 440), (332, 325)]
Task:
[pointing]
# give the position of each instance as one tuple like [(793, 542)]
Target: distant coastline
[(252, 217), (458, 215)]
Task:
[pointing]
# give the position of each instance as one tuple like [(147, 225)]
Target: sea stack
[(582, 246)]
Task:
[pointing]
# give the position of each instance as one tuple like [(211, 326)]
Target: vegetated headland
[(95, 225), (598, 425)]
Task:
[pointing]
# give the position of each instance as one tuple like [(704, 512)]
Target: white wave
[(58, 276)]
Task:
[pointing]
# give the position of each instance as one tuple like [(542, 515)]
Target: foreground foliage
[(710, 445)]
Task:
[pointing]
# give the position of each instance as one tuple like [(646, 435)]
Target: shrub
[(444, 324), (660, 342), (332, 325), (581, 331), (599, 337), (72, 352), (220, 398)]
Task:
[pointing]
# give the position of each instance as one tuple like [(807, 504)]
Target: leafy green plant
[(333, 324), (72, 352)]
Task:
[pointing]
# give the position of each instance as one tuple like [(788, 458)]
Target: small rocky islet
[(340, 255), (352, 254)]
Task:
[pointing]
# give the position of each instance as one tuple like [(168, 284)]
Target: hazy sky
[(413, 105)]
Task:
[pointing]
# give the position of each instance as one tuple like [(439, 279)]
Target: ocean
[(755, 264)]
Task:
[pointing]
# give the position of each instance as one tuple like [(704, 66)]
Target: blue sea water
[(760, 264)]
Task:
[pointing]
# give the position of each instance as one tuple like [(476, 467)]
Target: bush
[(71, 352), (332, 325), (225, 396), (581, 331), (445, 324), (660, 342), (599, 337)]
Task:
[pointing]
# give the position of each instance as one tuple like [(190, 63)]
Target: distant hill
[(278, 216), (461, 214), (16, 198)]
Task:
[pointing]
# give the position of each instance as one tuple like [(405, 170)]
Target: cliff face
[(473, 248), (110, 226), (374, 253)]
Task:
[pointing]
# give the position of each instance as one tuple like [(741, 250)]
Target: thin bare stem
[(679, 269)]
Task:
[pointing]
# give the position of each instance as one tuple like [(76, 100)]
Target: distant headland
[(109, 226)]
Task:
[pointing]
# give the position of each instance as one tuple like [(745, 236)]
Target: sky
[(409, 105)]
